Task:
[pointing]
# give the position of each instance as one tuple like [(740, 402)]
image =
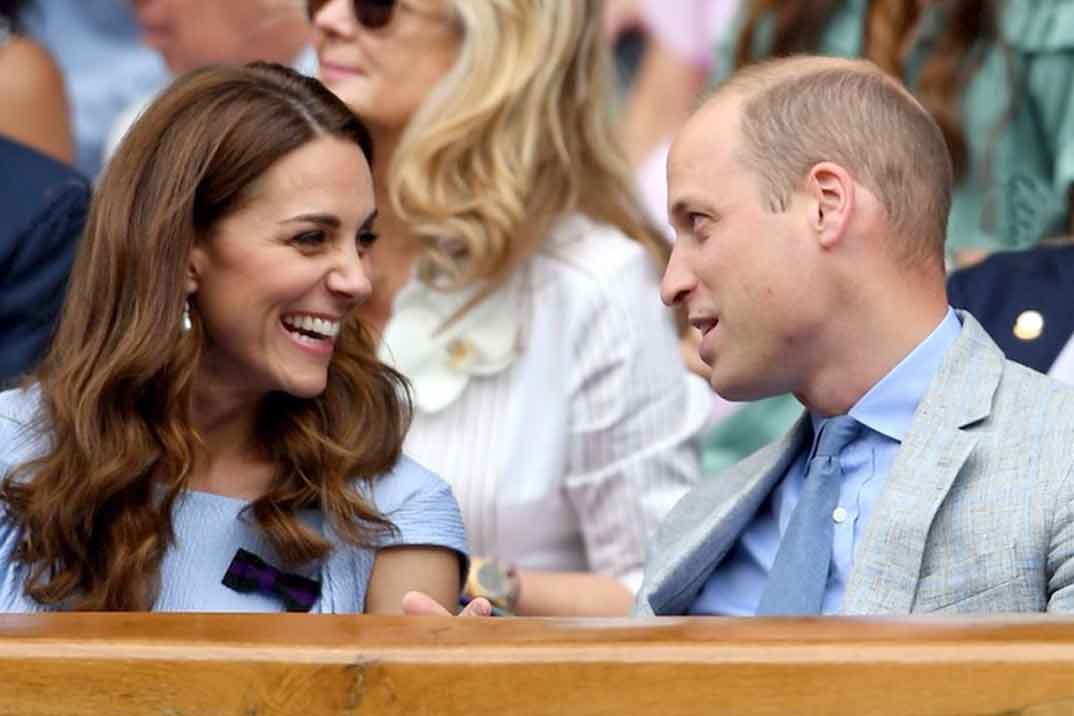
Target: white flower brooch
[(438, 357)]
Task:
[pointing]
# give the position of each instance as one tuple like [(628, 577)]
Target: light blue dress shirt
[(735, 587)]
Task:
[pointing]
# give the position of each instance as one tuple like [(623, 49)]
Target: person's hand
[(417, 604)]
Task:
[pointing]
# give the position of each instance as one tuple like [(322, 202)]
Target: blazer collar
[(714, 515), (700, 531), (887, 561)]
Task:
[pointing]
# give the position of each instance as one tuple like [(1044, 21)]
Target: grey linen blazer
[(976, 515)]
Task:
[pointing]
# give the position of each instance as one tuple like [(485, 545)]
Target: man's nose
[(678, 279)]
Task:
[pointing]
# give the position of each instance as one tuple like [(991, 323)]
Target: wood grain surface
[(256, 665)]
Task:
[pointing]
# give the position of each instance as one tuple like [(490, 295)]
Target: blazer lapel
[(712, 518), (887, 561)]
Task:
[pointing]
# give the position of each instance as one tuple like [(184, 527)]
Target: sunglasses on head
[(372, 14)]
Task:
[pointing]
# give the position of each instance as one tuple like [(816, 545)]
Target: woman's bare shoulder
[(34, 107)]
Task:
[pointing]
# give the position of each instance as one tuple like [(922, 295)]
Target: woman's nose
[(350, 279)]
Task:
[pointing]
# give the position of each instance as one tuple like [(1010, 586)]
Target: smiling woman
[(275, 280), (211, 430)]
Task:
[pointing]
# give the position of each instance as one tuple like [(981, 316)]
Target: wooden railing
[(172, 665)]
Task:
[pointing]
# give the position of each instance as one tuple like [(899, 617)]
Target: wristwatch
[(495, 581)]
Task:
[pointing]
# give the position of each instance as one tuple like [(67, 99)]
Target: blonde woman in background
[(516, 287)]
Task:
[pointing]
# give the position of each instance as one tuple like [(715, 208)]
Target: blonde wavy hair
[(519, 133)]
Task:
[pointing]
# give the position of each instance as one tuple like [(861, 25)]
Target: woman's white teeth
[(311, 324)]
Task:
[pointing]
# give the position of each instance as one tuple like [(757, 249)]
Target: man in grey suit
[(929, 474)]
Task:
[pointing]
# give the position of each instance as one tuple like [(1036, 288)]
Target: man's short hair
[(799, 111)]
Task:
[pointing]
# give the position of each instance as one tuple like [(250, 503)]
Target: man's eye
[(310, 238), (367, 239)]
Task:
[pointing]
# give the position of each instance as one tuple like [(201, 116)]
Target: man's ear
[(832, 190)]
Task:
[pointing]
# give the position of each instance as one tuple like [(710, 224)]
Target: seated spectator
[(190, 34), (929, 473), (43, 201), (44, 204), (677, 61), (211, 430), (995, 75), (1025, 300), (675, 64), (515, 286), (105, 65), (33, 102)]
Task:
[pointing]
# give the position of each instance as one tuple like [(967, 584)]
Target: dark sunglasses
[(372, 14)]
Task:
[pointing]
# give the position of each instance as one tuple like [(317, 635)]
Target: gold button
[(1029, 326), (459, 352)]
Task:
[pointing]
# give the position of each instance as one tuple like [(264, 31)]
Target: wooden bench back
[(188, 665)]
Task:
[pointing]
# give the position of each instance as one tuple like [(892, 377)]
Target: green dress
[(1017, 190)]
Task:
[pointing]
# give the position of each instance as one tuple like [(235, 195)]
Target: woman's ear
[(194, 266), (833, 191)]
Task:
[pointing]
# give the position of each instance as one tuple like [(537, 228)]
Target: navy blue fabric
[(997, 290), (43, 207)]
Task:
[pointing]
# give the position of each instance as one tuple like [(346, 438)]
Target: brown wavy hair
[(94, 510), (797, 27)]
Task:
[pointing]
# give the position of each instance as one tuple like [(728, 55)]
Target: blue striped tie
[(799, 575)]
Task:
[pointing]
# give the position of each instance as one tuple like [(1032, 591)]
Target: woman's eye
[(310, 238), (367, 239)]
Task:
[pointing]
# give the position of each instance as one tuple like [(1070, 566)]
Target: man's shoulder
[(979, 384), (1026, 392), (697, 506), (1021, 383), (700, 524), (1029, 432)]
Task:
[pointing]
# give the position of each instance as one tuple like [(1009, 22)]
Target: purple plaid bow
[(249, 573)]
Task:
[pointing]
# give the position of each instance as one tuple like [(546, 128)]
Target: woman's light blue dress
[(210, 528)]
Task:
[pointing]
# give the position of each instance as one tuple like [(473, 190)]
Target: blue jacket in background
[(1005, 285), (43, 208)]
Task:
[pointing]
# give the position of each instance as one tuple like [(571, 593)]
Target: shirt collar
[(888, 407)]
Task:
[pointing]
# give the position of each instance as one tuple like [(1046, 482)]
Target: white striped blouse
[(567, 441)]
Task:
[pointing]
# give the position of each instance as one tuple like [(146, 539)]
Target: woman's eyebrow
[(330, 221)]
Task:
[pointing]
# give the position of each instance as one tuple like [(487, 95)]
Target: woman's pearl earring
[(184, 325)]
